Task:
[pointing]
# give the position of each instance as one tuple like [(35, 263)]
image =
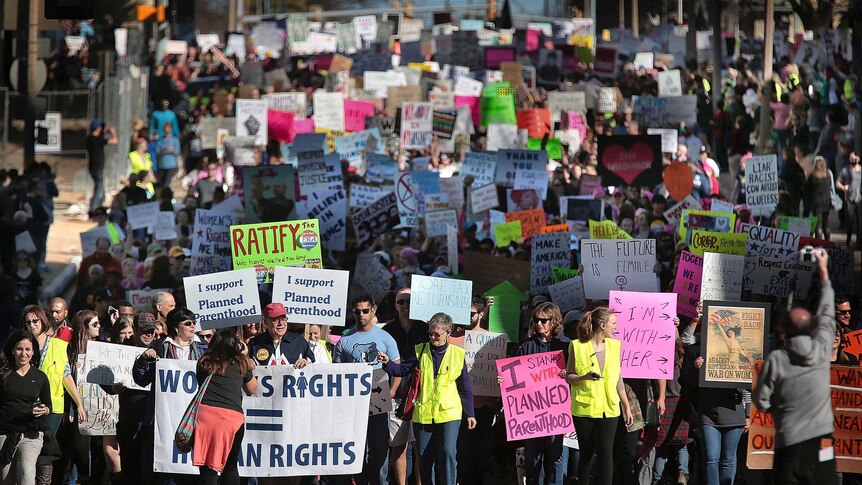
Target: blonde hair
[(593, 323)]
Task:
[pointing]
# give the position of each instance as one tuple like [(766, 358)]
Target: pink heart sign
[(628, 163)]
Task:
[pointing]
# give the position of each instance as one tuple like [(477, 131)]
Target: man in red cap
[(277, 346)]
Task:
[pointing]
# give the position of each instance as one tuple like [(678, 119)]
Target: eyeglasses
[(543, 321), (843, 312), (33, 321), (473, 314), (405, 301), (437, 334), (95, 324), (149, 332), (206, 336), (364, 311), (188, 323)]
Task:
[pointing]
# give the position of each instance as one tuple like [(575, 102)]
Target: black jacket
[(292, 347)]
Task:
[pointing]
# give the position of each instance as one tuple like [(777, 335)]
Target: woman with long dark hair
[(25, 396), (219, 429), (85, 327)]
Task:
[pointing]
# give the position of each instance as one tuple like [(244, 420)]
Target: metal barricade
[(121, 99)]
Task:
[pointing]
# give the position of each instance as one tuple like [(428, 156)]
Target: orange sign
[(554, 228), (679, 180), (532, 221), (537, 122), (853, 343)]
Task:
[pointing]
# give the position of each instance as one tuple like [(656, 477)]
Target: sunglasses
[(364, 311), (206, 336), (95, 324), (437, 334), (149, 332), (405, 301), (33, 321), (473, 314), (543, 321), (843, 312), (188, 323)]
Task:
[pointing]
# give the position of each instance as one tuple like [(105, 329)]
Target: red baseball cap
[(274, 310)]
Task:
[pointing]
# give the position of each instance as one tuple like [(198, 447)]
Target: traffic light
[(69, 9)]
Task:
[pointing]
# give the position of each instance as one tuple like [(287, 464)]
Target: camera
[(806, 254)]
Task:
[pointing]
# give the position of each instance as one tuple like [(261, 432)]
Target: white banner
[(312, 295), (109, 364), (251, 119), (143, 215), (618, 264), (225, 299), (299, 423)]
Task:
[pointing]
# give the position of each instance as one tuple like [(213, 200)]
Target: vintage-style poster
[(733, 339)]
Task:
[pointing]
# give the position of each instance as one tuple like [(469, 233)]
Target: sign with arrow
[(645, 327)]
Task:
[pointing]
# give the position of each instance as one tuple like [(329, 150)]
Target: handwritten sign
[(687, 283), (606, 230), (108, 364), (375, 219), (761, 184), (430, 295), (618, 264), (143, 215), (484, 198), (547, 250), (589, 184), (674, 214), (568, 294), (103, 409), (416, 125), (507, 233), (536, 401), (705, 220), (722, 277), (645, 327), (481, 166), (531, 221), (770, 260), (718, 242), (264, 246), (436, 222), (484, 349)]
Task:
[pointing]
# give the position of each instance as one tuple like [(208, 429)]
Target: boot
[(43, 474), (116, 478)]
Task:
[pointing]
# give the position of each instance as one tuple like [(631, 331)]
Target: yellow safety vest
[(142, 163), (54, 366), (438, 400), (596, 399), (113, 233)]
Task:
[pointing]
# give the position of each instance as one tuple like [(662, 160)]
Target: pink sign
[(302, 126), (280, 125), (687, 283), (536, 400), (355, 113), (532, 40), (645, 327), (577, 123), (471, 102)]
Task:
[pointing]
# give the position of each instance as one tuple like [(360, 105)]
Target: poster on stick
[(646, 329), (430, 295), (484, 349), (312, 295), (618, 264), (733, 338), (225, 299)]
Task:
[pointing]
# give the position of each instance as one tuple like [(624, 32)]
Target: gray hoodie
[(794, 382)]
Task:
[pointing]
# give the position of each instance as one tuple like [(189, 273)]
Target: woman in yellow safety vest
[(141, 161), (55, 364), (444, 397), (597, 392)]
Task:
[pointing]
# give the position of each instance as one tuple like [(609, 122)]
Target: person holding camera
[(594, 374), (794, 385)]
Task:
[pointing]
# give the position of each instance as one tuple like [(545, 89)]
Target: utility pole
[(765, 125), (27, 33), (635, 19), (717, 48)]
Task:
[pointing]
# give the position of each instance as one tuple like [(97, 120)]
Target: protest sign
[(215, 306), (311, 171), (716, 205), (355, 113), (363, 195), (852, 342), (533, 179), (506, 137), (559, 101), (654, 111), (607, 102), (705, 220), (291, 102), (537, 122), (452, 249), (210, 251), (109, 364), (644, 61), (568, 294), (444, 123), (589, 185), (547, 250), (606, 230), (504, 314), (264, 246), (427, 182), (646, 329), (678, 179), (269, 193), (722, 277), (511, 161), (372, 221), (771, 256), (436, 222), (251, 119), (329, 110), (407, 202), (398, 95), (142, 300), (554, 228), (630, 160), (553, 146), (582, 208), (380, 82), (804, 226), (329, 207), (669, 140), (296, 425), (165, 229), (841, 268), (733, 338), (522, 200), (89, 238), (563, 274), (761, 184), (669, 83), (486, 272), (374, 278), (430, 295), (311, 295), (103, 409), (531, 221), (484, 198), (674, 214), (507, 233), (618, 264), (717, 242), (416, 125), (141, 216), (483, 349), (536, 400), (497, 105), (687, 283), (846, 389), (480, 165), (380, 400)]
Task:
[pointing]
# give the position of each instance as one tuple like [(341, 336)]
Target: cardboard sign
[(532, 221), (485, 274), (846, 386), (437, 222), (264, 246), (331, 414), (109, 364), (211, 251), (416, 125), (618, 264), (317, 296), (761, 184), (669, 139), (674, 214), (430, 295), (225, 299), (142, 216), (733, 338), (484, 349), (507, 233), (645, 328), (722, 277), (568, 294), (484, 198), (251, 120), (718, 242), (687, 283), (547, 250), (606, 230), (630, 160), (669, 83), (679, 180), (372, 221), (536, 400)]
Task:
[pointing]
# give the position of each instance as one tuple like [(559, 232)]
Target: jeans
[(545, 454), (374, 471), (437, 446), (475, 447), (98, 190), (661, 456), (24, 462), (720, 450)]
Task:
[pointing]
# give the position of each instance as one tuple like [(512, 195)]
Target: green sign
[(267, 245), (505, 313)]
